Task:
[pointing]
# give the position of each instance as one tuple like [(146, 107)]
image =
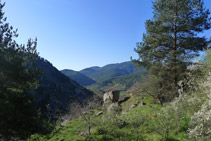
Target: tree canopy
[(172, 39), (18, 75)]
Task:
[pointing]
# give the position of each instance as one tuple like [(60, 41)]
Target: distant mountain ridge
[(123, 82), (78, 77), (110, 71), (90, 70), (119, 76)]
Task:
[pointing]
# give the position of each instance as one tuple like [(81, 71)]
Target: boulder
[(132, 106), (141, 104), (112, 96), (130, 94), (114, 107), (99, 113), (124, 99)]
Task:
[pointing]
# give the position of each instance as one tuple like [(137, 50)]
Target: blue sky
[(76, 34)]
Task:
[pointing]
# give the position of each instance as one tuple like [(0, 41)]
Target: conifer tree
[(172, 39), (18, 75)]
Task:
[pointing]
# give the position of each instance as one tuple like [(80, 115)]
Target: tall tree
[(172, 38), (18, 75)]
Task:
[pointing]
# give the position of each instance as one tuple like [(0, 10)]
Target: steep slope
[(78, 77), (57, 90)]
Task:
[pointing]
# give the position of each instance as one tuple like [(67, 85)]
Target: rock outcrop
[(141, 104), (112, 96), (99, 113), (132, 106), (113, 108)]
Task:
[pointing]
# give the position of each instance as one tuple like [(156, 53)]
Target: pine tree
[(172, 39), (18, 75)]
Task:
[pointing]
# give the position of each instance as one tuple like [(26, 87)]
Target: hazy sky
[(75, 34)]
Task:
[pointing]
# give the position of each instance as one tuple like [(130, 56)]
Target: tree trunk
[(175, 44), (137, 138), (89, 128)]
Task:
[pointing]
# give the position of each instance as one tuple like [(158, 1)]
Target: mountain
[(78, 77), (90, 70), (123, 82), (119, 76), (110, 71), (57, 90)]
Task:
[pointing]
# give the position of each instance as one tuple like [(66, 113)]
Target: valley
[(120, 76), (163, 93)]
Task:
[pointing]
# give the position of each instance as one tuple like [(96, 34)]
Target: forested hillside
[(78, 77), (90, 70), (162, 95), (56, 90), (110, 71), (142, 117), (119, 76), (172, 102), (33, 93), (123, 82)]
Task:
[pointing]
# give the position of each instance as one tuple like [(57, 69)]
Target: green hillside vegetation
[(174, 100), (167, 98), (153, 121), (90, 70), (122, 83), (33, 93), (56, 91), (119, 76), (80, 78), (107, 127), (19, 116), (111, 71)]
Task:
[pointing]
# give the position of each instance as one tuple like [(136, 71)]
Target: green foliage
[(206, 63), (19, 117), (70, 131), (110, 77), (199, 126), (140, 123), (171, 40), (123, 82), (168, 48), (111, 71)]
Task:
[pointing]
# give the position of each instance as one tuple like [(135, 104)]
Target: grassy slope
[(189, 103), (74, 128)]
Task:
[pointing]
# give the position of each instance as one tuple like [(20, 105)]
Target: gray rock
[(141, 104), (130, 94), (132, 106), (112, 107), (99, 113), (112, 96)]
